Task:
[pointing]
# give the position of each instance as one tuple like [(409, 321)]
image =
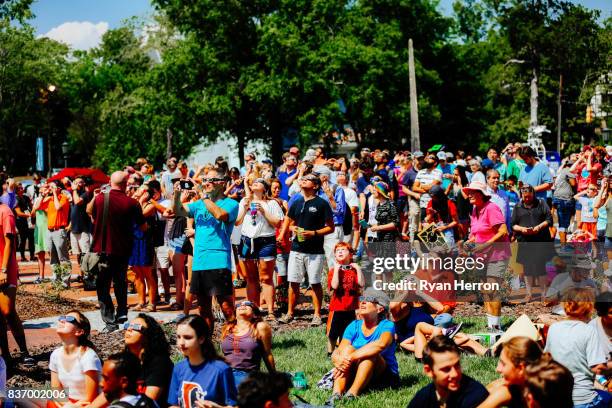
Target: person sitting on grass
[(119, 382), (576, 345), (548, 384), (425, 331), (75, 366), (449, 386), (345, 283), (517, 353), (246, 340), (265, 390), (146, 340), (366, 355), (202, 378)]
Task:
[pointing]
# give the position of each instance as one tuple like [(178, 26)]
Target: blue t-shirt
[(282, 177), (446, 169), (189, 383), (536, 175), (354, 334), (212, 249), (362, 183)]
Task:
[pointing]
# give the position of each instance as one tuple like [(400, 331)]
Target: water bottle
[(300, 384)]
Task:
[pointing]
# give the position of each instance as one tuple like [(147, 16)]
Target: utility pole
[(169, 137), (415, 141), (559, 113), (533, 99)]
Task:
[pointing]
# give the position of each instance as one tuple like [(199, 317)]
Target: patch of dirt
[(532, 310), (36, 305)]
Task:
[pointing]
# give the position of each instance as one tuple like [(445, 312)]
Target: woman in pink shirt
[(488, 239)]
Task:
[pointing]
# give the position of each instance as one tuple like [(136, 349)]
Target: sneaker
[(37, 281), (451, 331), (121, 319), (28, 361), (66, 285), (316, 321), (110, 328), (333, 399), (286, 318)]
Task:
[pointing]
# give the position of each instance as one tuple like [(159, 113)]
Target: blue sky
[(81, 23)]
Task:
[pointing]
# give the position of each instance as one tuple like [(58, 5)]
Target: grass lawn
[(304, 350)]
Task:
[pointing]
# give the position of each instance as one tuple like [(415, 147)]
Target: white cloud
[(80, 35)]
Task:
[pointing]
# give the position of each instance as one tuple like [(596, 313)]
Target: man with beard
[(449, 387), (426, 178), (214, 215)]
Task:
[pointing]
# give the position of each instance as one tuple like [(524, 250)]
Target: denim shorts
[(261, 248), (565, 211)]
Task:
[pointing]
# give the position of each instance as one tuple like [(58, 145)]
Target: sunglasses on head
[(526, 190), (370, 299), (69, 319), (212, 180), (133, 326), (244, 303)]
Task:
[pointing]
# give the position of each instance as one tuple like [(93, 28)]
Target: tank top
[(242, 352)]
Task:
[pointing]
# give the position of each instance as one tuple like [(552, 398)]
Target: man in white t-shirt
[(172, 173), (578, 277), (426, 178)]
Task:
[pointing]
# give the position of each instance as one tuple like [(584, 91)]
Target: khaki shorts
[(300, 264)]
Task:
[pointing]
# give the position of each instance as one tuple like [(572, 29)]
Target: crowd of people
[(314, 224)]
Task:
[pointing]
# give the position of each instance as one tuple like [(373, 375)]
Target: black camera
[(186, 184)]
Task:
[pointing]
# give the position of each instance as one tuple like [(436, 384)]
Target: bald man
[(115, 239)]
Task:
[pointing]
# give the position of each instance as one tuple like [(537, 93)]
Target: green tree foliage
[(27, 109)]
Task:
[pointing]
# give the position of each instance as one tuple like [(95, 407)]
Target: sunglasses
[(370, 299), (526, 190), (212, 180), (245, 303), (345, 267), (69, 319), (133, 326)]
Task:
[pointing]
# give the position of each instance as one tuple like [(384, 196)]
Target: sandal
[(139, 307), (149, 308), (270, 317), (176, 307)]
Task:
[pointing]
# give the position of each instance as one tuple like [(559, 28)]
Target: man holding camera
[(214, 216)]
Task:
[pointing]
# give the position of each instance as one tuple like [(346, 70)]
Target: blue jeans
[(565, 211), (600, 401), (443, 320)]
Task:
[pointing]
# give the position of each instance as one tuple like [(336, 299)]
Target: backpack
[(143, 402)]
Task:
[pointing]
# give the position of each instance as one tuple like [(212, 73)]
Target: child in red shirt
[(345, 282)]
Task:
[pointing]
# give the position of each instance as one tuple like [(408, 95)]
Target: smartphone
[(186, 184)]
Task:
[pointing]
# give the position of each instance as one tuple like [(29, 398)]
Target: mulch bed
[(36, 305)]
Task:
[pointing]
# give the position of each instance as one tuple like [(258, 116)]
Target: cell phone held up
[(186, 184)]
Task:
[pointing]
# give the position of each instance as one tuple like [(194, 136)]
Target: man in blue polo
[(214, 216)]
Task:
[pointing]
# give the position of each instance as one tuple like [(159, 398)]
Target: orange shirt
[(57, 218)]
